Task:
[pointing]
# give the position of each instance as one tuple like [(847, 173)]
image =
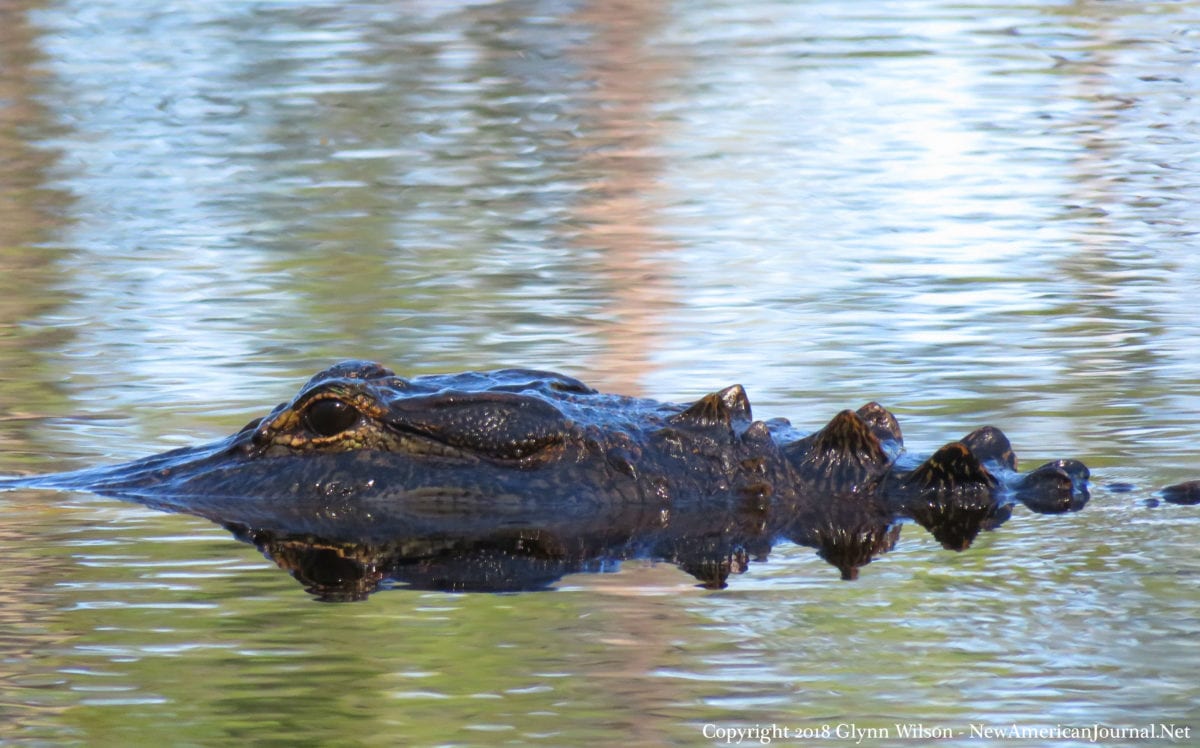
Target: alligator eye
[(329, 417)]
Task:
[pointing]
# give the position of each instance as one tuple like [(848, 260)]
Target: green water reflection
[(162, 631), (971, 212)]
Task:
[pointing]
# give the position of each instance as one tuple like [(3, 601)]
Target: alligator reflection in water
[(508, 480)]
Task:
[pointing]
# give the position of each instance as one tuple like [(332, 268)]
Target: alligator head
[(360, 449)]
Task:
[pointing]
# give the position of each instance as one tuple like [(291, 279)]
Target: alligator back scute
[(1182, 493), (845, 456), (726, 408)]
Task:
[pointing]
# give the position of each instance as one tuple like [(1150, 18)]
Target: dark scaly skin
[(510, 479)]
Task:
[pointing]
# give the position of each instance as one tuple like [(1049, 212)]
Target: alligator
[(510, 479)]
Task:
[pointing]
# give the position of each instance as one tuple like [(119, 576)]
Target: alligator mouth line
[(422, 444)]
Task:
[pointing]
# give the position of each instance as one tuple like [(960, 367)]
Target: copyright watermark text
[(850, 733)]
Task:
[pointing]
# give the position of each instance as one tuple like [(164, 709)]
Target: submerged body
[(509, 479)]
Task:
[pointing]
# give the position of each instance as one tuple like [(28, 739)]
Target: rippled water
[(972, 212)]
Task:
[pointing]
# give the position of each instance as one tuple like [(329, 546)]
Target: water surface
[(973, 212)]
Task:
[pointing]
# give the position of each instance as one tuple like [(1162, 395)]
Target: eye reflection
[(329, 417)]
